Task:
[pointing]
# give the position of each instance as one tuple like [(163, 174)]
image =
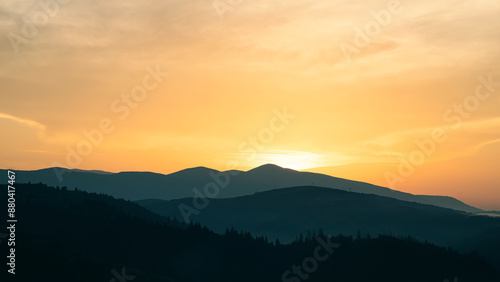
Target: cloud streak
[(28, 122)]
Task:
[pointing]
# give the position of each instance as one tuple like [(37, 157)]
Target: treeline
[(68, 235)]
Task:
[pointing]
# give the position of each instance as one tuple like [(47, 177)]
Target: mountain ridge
[(283, 213), (180, 184)]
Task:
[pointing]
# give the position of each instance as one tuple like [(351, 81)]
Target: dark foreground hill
[(284, 213), (76, 236)]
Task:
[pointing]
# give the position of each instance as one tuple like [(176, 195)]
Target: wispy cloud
[(27, 122), (466, 140)]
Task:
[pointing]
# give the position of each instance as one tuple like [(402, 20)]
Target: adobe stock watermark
[(363, 37), (121, 107), (47, 9), (453, 116), (222, 7), (278, 123), (310, 264), (121, 277)]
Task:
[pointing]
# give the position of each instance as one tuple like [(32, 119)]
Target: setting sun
[(290, 159)]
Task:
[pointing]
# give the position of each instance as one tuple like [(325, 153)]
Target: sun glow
[(296, 160)]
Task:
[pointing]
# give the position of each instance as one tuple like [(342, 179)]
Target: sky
[(402, 94)]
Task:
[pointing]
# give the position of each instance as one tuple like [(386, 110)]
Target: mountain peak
[(201, 170), (268, 167)]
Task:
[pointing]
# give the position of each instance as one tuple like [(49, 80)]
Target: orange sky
[(255, 83)]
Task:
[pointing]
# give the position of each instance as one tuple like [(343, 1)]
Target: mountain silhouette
[(147, 185)]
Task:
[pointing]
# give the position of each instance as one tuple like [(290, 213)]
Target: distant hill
[(283, 213), (147, 185), (490, 213), (72, 235)]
